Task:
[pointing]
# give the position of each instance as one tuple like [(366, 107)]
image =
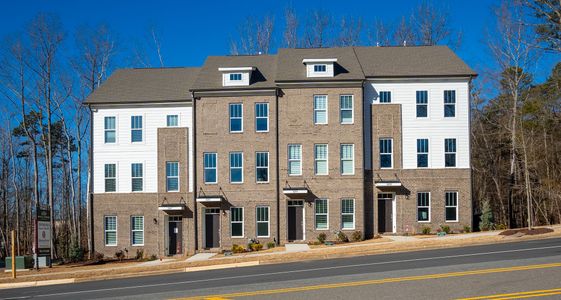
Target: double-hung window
[(422, 153), (386, 153), (262, 221), (262, 167), (209, 166), (320, 109), (422, 104), (449, 152), (110, 227), (347, 214), (423, 207), (110, 130), (347, 159), (236, 117), (236, 222), (136, 129), (137, 177), (235, 76), (261, 117), (321, 214), (137, 230), (321, 159), (449, 104), (451, 206), (172, 176), (172, 120), (346, 106), (294, 159), (385, 97), (110, 178), (236, 167)]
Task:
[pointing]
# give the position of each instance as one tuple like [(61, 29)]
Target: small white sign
[(175, 230), (44, 234)]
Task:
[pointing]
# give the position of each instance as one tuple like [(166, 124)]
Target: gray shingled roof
[(411, 61), (210, 78), (291, 68), (145, 85)]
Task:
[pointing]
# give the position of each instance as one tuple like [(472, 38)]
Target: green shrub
[(120, 255), (76, 253), (139, 254), (445, 228), (467, 229), (486, 218), (342, 237), (255, 246), (322, 237), (426, 230), (271, 245), (356, 236), (238, 249)]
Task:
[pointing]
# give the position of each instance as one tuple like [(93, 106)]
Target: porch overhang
[(388, 184), (295, 191), (173, 207), (210, 199)]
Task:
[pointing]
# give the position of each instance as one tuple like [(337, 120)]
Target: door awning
[(173, 207), (296, 191), (210, 199), (388, 183)]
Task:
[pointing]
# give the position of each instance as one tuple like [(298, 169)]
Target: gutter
[(277, 162), (91, 189), (194, 166)]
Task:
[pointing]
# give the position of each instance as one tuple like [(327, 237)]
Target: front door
[(212, 223), (386, 214), (295, 220), (174, 235)]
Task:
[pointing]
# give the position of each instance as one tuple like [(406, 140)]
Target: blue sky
[(191, 30)]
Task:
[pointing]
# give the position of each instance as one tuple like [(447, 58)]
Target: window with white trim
[(110, 228), (136, 129), (262, 117), (321, 154), (110, 127), (236, 222), (320, 109), (320, 68), (137, 230), (236, 117), (172, 120), (172, 176), (347, 159), (262, 218), (137, 181), (209, 166), (348, 214), (236, 167), (235, 76), (423, 207), (422, 153), (422, 104), (451, 206), (449, 104), (385, 97), (294, 159), (386, 153), (347, 109), (449, 152), (110, 178), (321, 214), (262, 167)]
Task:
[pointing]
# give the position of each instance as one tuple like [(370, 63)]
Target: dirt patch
[(526, 231)]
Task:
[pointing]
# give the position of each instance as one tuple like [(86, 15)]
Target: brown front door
[(174, 235), (385, 213), (295, 221), (212, 223)]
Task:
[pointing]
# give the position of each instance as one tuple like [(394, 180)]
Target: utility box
[(22, 262), (44, 261)]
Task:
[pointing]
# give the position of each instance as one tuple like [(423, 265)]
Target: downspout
[(277, 161), (194, 166), (90, 191)]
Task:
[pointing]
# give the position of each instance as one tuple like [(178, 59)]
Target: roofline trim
[(151, 103), (186, 100), (319, 60), (424, 76), (234, 69)]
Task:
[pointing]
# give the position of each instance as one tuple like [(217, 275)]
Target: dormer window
[(320, 67), (236, 76)]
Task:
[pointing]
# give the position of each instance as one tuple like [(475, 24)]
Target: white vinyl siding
[(347, 159), (322, 214), (321, 158), (137, 230), (235, 79), (294, 159), (110, 229), (320, 109)]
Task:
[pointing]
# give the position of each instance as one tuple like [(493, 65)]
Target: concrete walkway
[(296, 247), (200, 257)]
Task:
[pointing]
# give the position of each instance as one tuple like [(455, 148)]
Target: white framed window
[(172, 120), (386, 153), (320, 109), (209, 167), (236, 167), (137, 230), (348, 214), (236, 117), (321, 156), (346, 103), (321, 214), (172, 176), (262, 218), (422, 100), (235, 76), (449, 153), (449, 104), (320, 68), (451, 206), (262, 167), (423, 207), (236, 222), (262, 117), (110, 127), (110, 228), (110, 178), (347, 159), (136, 129), (422, 153), (137, 175), (294, 159), (385, 97)]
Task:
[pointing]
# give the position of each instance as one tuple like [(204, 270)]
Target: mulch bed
[(525, 231)]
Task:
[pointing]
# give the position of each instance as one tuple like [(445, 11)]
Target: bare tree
[(255, 37), (432, 24), (549, 30), (379, 34), (317, 29), (290, 34), (403, 34), (349, 32)]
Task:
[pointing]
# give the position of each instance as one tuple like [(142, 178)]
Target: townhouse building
[(281, 148)]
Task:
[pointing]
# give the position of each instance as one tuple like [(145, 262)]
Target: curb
[(223, 266), (35, 283)]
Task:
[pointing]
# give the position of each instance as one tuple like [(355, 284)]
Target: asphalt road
[(531, 267)]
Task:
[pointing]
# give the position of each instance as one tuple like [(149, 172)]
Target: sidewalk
[(292, 253)]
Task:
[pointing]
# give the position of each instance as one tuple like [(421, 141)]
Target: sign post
[(43, 228), (13, 254)]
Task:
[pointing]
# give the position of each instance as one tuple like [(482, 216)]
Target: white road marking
[(293, 271)]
